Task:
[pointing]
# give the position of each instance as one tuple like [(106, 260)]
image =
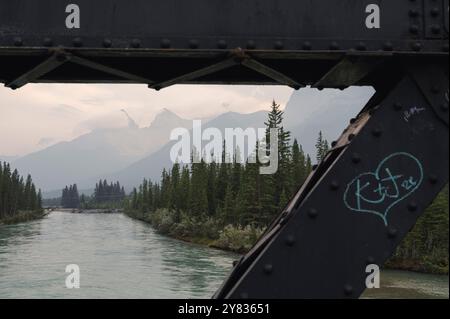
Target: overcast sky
[(36, 116)]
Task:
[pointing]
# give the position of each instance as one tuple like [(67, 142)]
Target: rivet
[(135, 43), (351, 137), (313, 213), (414, 29), (398, 106), (47, 42), (268, 269), (417, 46), (356, 158), (435, 12), (433, 179), (77, 42), (334, 143), (392, 233), (193, 44), (388, 46), (320, 88), (413, 206), (290, 240), (251, 45), (371, 260), (165, 43), (334, 185), (278, 45), (413, 13), (244, 295), (307, 45), (334, 45), (107, 43), (435, 29), (18, 42), (348, 290), (376, 132), (222, 44)]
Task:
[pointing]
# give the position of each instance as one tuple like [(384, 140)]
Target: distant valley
[(131, 153)]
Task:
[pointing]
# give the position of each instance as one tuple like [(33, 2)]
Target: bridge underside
[(160, 69)]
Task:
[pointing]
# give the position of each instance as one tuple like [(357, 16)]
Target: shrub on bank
[(23, 216), (201, 229), (237, 238)]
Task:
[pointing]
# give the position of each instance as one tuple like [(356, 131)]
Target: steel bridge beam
[(361, 201)]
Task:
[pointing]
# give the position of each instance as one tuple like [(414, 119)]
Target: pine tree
[(199, 184), (322, 148), (184, 189), (15, 194), (282, 179), (211, 188)]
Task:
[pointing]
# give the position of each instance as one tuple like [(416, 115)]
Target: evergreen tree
[(282, 179), (15, 194), (322, 148)]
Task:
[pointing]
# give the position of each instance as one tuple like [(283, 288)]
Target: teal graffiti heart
[(397, 177)]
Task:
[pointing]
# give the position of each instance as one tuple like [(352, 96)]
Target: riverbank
[(204, 231), (94, 211), (22, 217), (240, 240)]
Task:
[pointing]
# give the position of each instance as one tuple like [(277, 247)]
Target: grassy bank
[(210, 232), (204, 230), (422, 265), (23, 216)]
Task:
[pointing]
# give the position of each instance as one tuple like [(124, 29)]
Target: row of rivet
[(222, 44)]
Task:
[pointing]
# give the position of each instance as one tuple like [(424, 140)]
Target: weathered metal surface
[(170, 42)]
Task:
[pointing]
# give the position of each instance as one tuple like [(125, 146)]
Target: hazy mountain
[(307, 112), (152, 165), (98, 153), (8, 159), (131, 153), (310, 111)]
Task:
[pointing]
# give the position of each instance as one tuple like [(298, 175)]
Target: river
[(120, 257)]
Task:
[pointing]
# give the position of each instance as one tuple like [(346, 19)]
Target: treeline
[(70, 197), (105, 192), (226, 205), (231, 193), (426, 247), (106, 195), (17, 195)]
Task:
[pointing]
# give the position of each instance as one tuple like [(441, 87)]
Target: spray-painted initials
[(397, 177)]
